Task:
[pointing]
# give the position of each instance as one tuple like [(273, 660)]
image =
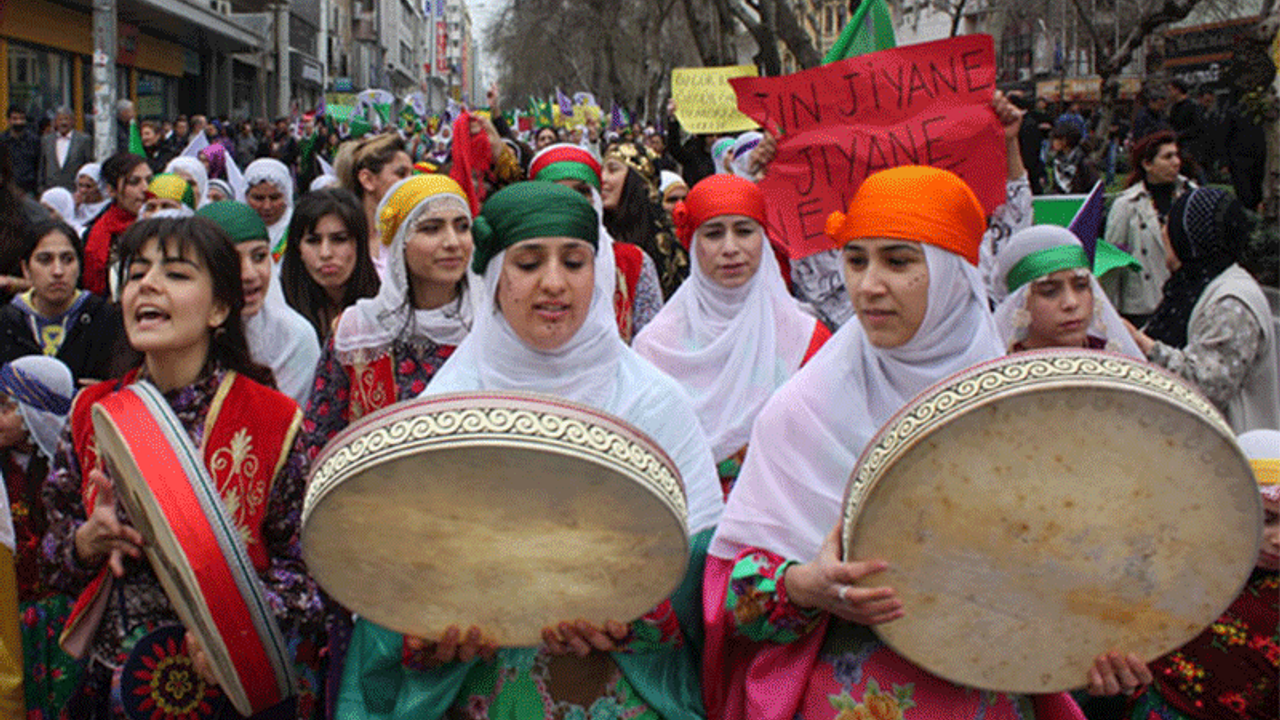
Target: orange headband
[(916, 203), (714, 196)]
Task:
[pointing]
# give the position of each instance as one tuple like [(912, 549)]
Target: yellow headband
[(1267, 471), (406, 195)]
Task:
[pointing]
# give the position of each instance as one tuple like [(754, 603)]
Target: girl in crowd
[(731, 335), (35, 397), (182, 301), (90, 194), (787, 631), (1137, 220), (326, 266), (637, 296), (1049, 298), (269, 191), (54, 317), (220, 190), (168, 192), (195, 173), (369, 167), (278, 336), (1213, 325), (387, 348), (628, 190), (214, 158), (127, 177), (673, 189), (536, 244), (1230, 670)]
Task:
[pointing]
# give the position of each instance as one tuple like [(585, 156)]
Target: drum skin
[(193, 545), (507, 511), (1044, 508)]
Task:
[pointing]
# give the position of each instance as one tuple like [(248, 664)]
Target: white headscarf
[(378, 321), (807, 440), (1011, 314), (43, 388), (740, 153), (191, 166), (88, 211), (272, 171), (729, 348), (60, 199), (593, 368)]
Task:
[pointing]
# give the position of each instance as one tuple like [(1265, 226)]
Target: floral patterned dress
[(49, 674), (856, 677), (137, 605), (1230, 670)]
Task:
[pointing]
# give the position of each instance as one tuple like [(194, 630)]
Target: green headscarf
[(240, 221), (531, 210)]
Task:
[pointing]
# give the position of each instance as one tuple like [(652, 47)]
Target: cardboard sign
[(705, 103), (926, 104)]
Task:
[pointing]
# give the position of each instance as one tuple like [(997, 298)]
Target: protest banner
[(705, 103), (926, 104)]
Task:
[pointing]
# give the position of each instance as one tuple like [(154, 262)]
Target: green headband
[(568, 170), (531, 210), (240, 221), (1065, 257)]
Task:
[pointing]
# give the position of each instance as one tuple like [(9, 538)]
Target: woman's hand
[(1010, 115), (103, 535), (452, 647), (200, 659), (827, 584), (763, 154), (1145, 342), (582, 637), (1113, 673)]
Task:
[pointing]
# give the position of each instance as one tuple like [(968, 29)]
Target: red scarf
[(97, 248), (472, 158)]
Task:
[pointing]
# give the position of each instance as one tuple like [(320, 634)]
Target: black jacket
[(89, 348)]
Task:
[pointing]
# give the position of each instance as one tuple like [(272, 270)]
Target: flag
[(135, 139), (566, 105), (541, 111), (321, 107), (618, 118), (235, 179), (870, 29), (1087, 224), (325, 167), (198, 143)]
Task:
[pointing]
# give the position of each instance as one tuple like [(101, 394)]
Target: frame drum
[(508, 511), (193, 545), (1041, 509)]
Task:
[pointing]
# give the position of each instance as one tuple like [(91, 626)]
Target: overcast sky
[(483, 13)]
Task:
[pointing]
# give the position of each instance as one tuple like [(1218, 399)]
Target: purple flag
[(1087, 224), (566, 105)]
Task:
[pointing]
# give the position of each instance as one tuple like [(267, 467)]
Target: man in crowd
[(125, 114), (157, 152), (63, 152), (1185, 119), (24, 149)]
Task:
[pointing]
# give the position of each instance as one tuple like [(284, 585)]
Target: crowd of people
[(629, 271)]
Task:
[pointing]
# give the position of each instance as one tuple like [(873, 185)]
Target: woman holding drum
[(544, 323), (731, 334), (182, 302), (787, 631)]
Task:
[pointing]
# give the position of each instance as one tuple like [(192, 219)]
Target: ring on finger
[(844, 593)]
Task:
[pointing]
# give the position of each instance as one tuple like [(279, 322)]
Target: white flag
[(198, 143)]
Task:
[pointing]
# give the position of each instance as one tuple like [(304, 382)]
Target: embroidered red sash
[(373, 386), (629, 260)]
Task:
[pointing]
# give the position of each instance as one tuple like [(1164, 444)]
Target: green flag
[(358, 127), (870, 29), (135, 139)]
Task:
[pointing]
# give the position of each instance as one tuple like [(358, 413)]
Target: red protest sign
[(926, 104)]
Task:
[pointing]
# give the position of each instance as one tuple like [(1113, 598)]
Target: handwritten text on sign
[(705, 103), (926, 104)]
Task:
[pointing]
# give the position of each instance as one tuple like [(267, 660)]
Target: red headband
[(715, 196), (563, 153)]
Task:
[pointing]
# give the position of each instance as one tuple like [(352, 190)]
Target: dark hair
[(16, 108), (638, 218), (1178, 85), (300, 290), (12, 217), (371, 153), (119, 166), (37, 231), (228, 348), (1068, 131), (1146, 150)]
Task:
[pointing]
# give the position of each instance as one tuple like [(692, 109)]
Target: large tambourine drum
[(1046, 507), (193, 545), (507, 511)]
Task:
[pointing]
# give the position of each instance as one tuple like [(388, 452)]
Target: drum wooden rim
[(136, 426), (483, 422), (982, 388)]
